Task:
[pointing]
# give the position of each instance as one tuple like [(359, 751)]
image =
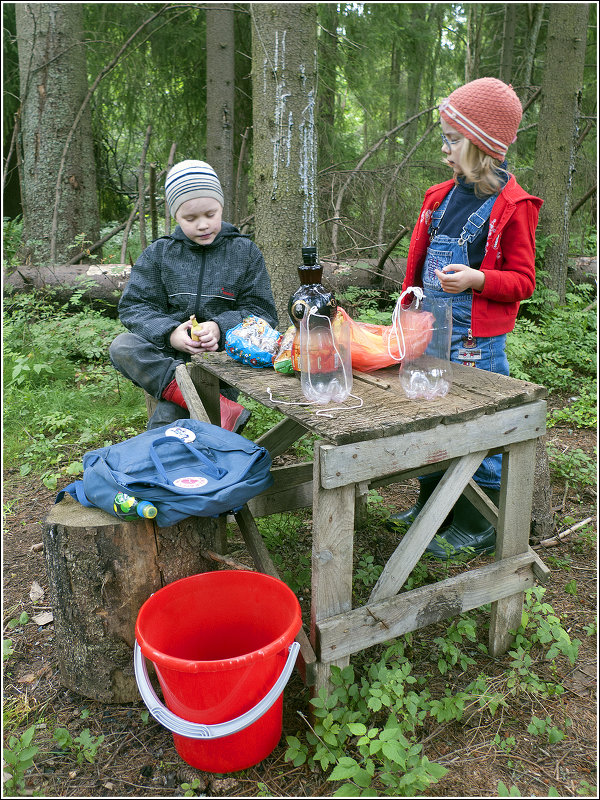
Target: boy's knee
[(121, 347)]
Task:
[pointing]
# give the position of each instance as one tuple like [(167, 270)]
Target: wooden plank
[(281, 436), (361, 461), (341, 635), (291, 489), (190, 395), (512, 536), (386, 412), (333, 538), (207, 387), (427, 523)]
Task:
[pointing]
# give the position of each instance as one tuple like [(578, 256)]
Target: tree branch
[(373, 149)]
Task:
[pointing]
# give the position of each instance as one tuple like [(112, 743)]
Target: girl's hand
[(182, 341), (455, 278)]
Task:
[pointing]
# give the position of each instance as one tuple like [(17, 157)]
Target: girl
[(474, 242)]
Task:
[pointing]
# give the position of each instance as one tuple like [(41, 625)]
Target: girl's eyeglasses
[(447, 142)]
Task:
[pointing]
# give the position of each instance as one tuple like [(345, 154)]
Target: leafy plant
[(545, 728), (574, 466), (18, 758), (363, 752), (83, 747)]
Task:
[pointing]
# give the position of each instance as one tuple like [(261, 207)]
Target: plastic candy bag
[(283, 360), (253, 342)]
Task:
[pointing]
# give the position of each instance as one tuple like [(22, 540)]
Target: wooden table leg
[(512, 536), (207, 386), (333, 535)]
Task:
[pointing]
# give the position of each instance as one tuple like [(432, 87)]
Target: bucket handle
[(198, 730)]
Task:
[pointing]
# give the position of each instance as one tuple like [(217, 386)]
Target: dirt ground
[(137, 757)]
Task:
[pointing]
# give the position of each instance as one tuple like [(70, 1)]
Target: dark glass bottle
[(311, 293)]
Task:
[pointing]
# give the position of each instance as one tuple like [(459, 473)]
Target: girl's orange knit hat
[(487, 111)]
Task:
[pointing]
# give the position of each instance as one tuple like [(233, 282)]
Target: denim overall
[(484, 353)]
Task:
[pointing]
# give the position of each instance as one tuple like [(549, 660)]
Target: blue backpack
[(188, 468)]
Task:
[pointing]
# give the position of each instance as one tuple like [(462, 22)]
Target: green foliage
[(573, 465), (61, 396), (541, 626), (451, 645), (18, 758), (83, 747), (555, 345), (12, 230), (384, 751), (545, 729), (581, 410)]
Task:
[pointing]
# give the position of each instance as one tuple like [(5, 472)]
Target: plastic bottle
[(127, 507), (325, 358)]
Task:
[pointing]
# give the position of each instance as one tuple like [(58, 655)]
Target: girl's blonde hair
[(481, 170)]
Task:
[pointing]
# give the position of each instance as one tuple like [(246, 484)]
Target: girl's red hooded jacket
[(508, 263)]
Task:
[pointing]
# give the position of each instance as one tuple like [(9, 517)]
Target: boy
[(206, 268)]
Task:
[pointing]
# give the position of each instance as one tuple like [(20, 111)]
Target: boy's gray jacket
[(174, 278)]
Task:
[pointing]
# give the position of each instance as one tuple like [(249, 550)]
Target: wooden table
[(388, 439)]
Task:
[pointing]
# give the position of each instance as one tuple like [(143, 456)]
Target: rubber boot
[(470, 531), (233, 415), (173, 394), (426, 486)]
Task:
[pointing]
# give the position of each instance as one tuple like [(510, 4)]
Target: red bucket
[(222, 644)]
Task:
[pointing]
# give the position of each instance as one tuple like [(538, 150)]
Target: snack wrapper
[(253, 342), (283, 360)]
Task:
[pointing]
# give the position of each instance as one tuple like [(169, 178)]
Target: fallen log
[(102, 284)]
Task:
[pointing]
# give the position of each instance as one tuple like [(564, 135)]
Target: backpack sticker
[(191, 482), (181, 433)]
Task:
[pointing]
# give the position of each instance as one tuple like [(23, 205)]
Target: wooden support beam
[(350, 632), (281, 436), (367, 460), (427, 523), (190, 395)]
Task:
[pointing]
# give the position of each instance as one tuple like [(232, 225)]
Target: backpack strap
[(76, 491)]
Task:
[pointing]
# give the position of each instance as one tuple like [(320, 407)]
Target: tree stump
[(100, 572)]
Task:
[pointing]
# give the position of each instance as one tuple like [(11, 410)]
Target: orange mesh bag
[(378, 346)]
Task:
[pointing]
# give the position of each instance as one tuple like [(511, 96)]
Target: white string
[(397, 327), (321, 412)]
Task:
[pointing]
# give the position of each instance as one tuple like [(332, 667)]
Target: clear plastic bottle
[(429, 375), (325, 358), (127, 507)]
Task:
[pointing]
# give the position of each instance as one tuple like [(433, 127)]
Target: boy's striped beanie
[(190, 179), (486, 111)]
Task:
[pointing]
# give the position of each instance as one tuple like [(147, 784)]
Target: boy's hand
[(455, 278), (208, 338)]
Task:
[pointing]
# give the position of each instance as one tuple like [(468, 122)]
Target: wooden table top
[(386, 410)]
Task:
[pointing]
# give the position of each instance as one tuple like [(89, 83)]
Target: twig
[(230, 562), (553, 540)]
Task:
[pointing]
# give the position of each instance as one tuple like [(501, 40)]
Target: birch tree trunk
[(557, 132), (220, 97), (284, 76), (53, 85)]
